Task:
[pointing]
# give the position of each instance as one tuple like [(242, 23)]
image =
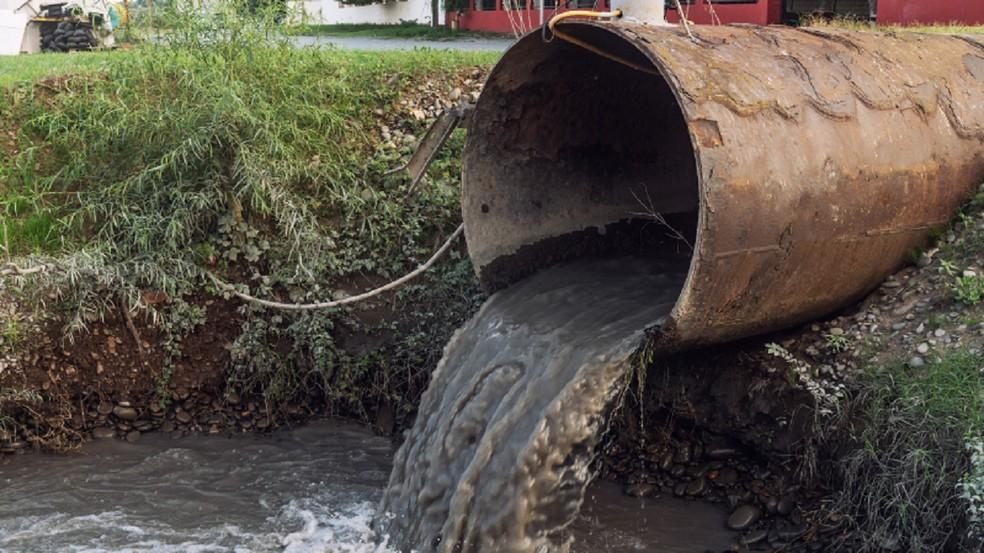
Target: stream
[(309, 490)]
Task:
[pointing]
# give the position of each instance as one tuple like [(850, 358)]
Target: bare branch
[(10, 269), (650, 212)]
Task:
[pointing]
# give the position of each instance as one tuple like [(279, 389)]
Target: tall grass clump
[(903, 480), (220, 148)]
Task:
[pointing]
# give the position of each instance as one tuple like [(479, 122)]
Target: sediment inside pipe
[(572, 154)]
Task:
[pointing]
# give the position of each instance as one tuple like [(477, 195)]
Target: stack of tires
[(68, 35)]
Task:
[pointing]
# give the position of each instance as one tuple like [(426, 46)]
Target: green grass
[(405, 30), (35, 67), (909, 429)]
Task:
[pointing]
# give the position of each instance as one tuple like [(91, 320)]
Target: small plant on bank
[(947, 268), (826, 393), (968, 289), (972, 489), (837, 343)]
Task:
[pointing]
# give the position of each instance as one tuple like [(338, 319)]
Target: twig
[(11, 269), (131, 327), (352, 299), (650, 211)]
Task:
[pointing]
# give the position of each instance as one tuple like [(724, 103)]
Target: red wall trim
[(911, 12), (762, 12), (759, 12)]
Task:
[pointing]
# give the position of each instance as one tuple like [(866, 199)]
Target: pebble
[(755, 536), (837, 331), (133, 436), (642, 489), (667, 461), (103, 433), (105, 408), (743, 517), (917, 362), (696, 486), (680, 490), (183, 417), (124, 412), (790, 533), (923, 348), (682, 454), (727, 477), (785, 506), (722, 453), (939, 333)]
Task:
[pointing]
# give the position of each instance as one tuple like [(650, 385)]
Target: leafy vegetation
[(225, 150), (968, 289)]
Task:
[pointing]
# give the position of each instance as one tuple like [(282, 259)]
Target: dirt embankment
[(123, 375)]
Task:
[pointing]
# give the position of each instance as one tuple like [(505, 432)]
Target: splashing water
[(498, 458)]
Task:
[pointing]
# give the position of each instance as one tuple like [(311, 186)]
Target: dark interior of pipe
[(572, 154)]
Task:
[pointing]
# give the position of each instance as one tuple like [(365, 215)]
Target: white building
[(390, 12)]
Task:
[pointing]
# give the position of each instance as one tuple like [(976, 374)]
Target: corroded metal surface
[(822, 159)]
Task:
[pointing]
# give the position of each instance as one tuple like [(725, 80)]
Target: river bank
[(269, 171)]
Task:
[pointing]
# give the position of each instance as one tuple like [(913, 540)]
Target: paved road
[(371, 43)]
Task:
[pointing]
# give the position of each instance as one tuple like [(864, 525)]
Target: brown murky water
[(310, 490), (498, 458)]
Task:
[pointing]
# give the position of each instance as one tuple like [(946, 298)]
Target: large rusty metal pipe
[(801, 166)]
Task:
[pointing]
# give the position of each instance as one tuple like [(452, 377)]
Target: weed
[(968, 289), (836, 343), (827, 394), (936, 320), (972, 488), (947, 268)]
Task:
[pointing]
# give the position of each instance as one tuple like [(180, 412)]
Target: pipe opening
[(571, 154)]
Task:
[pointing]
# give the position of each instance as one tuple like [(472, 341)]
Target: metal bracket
[(435, 137)]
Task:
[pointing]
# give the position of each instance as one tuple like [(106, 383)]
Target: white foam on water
[(306, 525), (344, 531), (302, 491)]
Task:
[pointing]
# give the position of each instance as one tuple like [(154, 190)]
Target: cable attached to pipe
[(615, 14)]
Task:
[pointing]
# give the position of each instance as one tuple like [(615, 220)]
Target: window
[(486, 5)]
